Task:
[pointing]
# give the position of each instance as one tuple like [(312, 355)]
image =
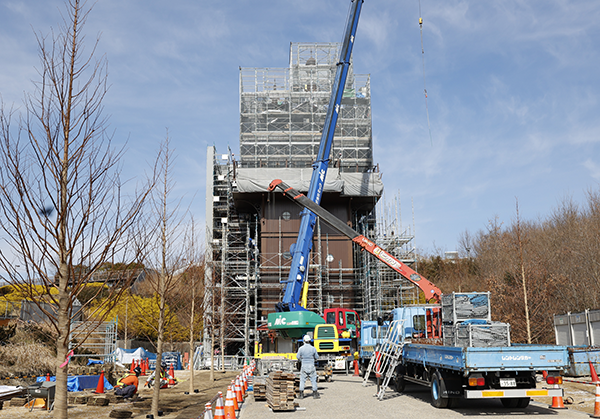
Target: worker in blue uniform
[(307, 355)]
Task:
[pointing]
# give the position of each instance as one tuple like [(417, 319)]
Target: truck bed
[(509, 358)]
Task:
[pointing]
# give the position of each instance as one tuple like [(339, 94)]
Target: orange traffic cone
[(238, 391), (593, 373), (48, 377), (356, 373), (132, 366), (229, 409), (171, 376), (100, 386), (219, 410), (557, 402), (231, 393), (208, 411), (242, 384)]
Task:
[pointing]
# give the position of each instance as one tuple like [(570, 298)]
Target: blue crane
[(301, 249)]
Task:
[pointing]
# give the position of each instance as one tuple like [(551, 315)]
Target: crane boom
[(301, 249), (430, 290)]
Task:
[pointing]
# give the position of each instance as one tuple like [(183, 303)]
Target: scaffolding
[(283, 110), (230, 279), (384, 288)]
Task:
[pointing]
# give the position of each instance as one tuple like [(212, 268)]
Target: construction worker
[(308, 355), (127, 385), (163, 376)]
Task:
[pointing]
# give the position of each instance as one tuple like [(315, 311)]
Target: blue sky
[(513, 92)]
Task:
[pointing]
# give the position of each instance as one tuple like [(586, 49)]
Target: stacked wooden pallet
[(259, 388), (281, 391)]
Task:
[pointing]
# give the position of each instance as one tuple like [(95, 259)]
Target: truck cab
[(347, 322)]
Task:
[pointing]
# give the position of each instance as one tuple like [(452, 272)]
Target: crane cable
[(424, 81)]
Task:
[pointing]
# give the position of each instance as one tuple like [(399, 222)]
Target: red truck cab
[(346, 320)]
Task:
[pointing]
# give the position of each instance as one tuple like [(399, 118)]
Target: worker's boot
[(316, 395), (301, 394)]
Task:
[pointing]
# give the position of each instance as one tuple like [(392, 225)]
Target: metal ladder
[(386, 359)]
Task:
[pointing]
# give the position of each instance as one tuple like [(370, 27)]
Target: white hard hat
[(306, 338)]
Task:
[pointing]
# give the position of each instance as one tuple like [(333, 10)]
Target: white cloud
[(593, 168)]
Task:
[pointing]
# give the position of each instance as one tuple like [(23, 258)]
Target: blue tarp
[(81, 382)]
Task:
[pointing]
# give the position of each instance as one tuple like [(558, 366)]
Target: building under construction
[(250, 230)]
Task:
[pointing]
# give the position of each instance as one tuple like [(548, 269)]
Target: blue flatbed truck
[(507, 373)]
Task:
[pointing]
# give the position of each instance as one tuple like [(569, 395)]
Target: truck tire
[(436, 392), (523, 402), (400, 383), (453, 402)]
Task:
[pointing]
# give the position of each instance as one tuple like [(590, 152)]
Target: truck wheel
[(510, 403), (436, 392), (453, 402), (523, 402), (400, 383)]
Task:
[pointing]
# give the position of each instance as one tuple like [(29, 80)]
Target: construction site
[(250, 230)]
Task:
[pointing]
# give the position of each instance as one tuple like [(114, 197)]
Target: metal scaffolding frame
[(230, 280), (383, 288), (283, 110)]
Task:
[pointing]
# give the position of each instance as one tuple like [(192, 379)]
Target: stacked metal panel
[(459, 307), (467, 321), (466, 334)]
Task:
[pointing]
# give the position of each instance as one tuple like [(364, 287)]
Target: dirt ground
[(174, 403), (178, 405)]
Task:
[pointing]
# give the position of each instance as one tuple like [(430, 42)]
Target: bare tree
[(520, 239), (166, 255), (61, 205)]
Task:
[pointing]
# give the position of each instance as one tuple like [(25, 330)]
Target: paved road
[(345, 398)]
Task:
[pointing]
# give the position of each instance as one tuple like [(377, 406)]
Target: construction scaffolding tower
[(249, 230)]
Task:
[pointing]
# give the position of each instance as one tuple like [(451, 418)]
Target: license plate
[(508, 382)]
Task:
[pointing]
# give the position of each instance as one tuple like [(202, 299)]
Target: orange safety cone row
[(238, 391), (208, 411), (219, 409), (231, 393), (229, 409), (100, 386)]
